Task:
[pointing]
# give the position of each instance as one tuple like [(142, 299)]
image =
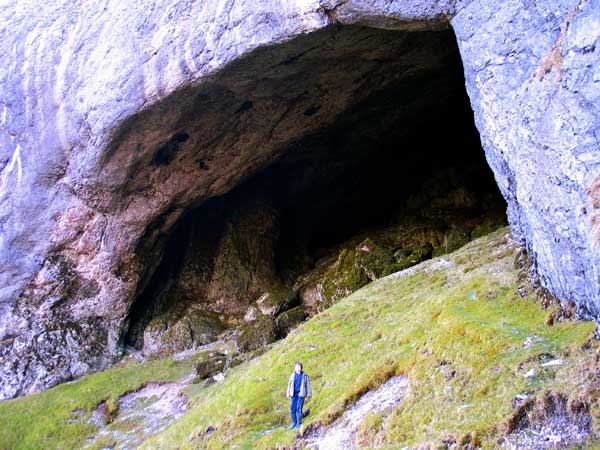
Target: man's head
[(297, 367)]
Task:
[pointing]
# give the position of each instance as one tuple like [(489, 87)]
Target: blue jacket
[(305, 389)]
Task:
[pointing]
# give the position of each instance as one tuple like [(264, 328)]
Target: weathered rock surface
[(168, 334), (116, 118), (275, 300), (532, 75), (219, 267), (256, 334), (290, 319), (210, 366), (138, 415)]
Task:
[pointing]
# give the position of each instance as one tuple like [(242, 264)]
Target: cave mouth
[(397, 177)]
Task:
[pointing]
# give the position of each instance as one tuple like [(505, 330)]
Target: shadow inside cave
[(396, 176)]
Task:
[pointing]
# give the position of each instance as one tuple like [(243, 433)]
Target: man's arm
[(287, 390), (308, 387)]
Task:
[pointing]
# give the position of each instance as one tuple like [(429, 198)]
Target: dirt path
[(339, 435)]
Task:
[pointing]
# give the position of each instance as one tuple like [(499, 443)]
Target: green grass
[(45, 420), (422, 325), (455, 326)]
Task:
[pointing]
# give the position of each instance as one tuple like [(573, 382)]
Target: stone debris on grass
[(141, 414), (558, 432), (531, 340), (219, 377), (339, 435), (552, 363)]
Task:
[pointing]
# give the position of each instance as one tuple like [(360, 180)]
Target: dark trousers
[(296, 409)]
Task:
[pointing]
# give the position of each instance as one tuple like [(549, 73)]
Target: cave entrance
[(395, 177)]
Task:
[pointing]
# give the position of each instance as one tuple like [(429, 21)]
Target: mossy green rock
[(211, 366), (343, 278), (373, 259), (332, 282), (353, 269), (410, 256), (256, 334), (166, 334), (290, 319), (275, 300)]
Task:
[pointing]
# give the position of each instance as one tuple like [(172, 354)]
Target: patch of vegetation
[(461, 339), (111, 409), (368, 430), (57, 417)]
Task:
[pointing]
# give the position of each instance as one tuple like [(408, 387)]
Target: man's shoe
[(292, 426)]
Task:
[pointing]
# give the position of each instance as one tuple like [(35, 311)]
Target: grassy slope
[(458, 313), (420, 324), (41, 421)]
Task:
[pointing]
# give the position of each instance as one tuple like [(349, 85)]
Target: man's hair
[(298, 363)]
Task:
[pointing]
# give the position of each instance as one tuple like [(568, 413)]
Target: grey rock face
[(533, 75), (116, 118)]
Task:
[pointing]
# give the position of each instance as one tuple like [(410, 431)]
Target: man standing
[(298, 389)]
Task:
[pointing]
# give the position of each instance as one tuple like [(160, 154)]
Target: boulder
[(331, 282), (373, 259), (210, 366), (275, 300), (290, 319), (409, 256), (256, 334), (165, 334), (337, 278)]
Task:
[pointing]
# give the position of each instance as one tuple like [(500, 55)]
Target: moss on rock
[(207, 367), (410, 256), (290, 319), (275, 300), (439, 219), (168, 334), (373, 259), (256, 334)]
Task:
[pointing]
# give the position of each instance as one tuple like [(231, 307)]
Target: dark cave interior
[(408, 158)]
